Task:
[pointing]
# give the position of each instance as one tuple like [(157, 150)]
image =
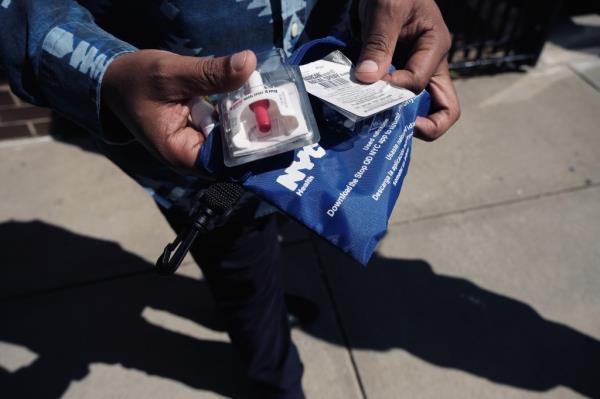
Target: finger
[(169, 135), (182, 147), (433, 126), (379, 41), (427, 53), (445, 106), (211, 75)]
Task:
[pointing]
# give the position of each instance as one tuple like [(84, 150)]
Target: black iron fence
[(497, 33)]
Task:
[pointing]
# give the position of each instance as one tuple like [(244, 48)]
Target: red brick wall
[(19, 119)]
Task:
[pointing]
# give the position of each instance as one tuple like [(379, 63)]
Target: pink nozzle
[(263, 119)]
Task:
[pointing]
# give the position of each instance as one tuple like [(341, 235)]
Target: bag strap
[(301, 51)]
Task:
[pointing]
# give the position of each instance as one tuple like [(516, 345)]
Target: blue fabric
[(344, 188), (353, 218)]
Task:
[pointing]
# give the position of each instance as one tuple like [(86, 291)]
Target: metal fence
[(497, 34)]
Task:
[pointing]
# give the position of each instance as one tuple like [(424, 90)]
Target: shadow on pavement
[(572, 35), (69, 329), (451, 322), (67, 132)]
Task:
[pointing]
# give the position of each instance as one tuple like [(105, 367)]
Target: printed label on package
[(333, 82)]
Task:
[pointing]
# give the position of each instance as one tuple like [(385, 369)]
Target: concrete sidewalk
[(485, 287)]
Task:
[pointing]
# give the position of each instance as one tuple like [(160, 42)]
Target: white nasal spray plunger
[(260, 107)]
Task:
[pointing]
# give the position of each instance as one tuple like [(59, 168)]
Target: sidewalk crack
[(338, 317), (588, 185)]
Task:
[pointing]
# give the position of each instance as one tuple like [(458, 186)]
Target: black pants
[(241, 263)]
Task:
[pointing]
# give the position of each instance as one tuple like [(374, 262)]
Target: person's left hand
[(415, 31)]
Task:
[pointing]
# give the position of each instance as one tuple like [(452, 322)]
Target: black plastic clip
[(212, 208)]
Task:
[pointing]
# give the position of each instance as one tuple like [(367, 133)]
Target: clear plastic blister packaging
[(269, 115)]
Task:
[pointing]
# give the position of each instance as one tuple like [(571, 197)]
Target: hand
[(413, 31), (149, 91)]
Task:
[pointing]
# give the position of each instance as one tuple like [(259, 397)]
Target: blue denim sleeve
[(55, 56)]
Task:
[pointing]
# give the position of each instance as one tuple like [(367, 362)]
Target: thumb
[(379, 42), (210, 75), (375, 58)]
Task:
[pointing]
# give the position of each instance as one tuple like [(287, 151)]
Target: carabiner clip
[(175, 252), (213, 207)]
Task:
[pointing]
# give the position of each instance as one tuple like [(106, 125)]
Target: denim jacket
[(55, 52)]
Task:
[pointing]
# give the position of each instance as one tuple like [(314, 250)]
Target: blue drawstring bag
[(343, 188)]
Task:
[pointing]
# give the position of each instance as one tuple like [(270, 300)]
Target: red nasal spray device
[(260, 107)]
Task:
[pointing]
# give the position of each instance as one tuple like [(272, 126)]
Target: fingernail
[(367, 66), (238, 60)]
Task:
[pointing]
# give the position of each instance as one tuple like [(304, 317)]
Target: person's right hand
[(149, 91)]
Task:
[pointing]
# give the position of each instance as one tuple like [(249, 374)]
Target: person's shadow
[(451, 322), (73, 327), (393, 303)]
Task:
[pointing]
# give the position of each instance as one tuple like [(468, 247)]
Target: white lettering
[(340, 199), (80, 57), (293, 174), (58, 42), (85, 58), (304, 187), (98, 66)]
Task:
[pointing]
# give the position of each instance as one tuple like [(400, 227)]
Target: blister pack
[(269, 115)]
